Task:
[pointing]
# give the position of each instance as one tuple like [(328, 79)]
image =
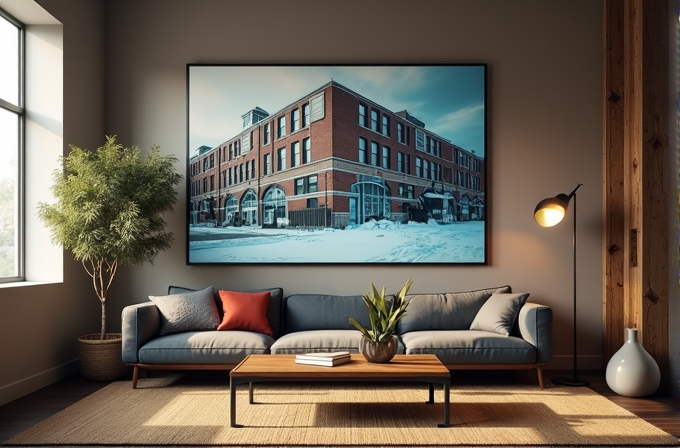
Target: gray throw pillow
[(187, 311), (499, 312)]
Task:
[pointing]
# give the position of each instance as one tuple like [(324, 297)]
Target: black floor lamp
[(548, 213)]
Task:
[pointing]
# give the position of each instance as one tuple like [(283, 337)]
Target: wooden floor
[(21, 414)]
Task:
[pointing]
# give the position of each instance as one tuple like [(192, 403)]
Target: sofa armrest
[(535, 326), (140, 323)]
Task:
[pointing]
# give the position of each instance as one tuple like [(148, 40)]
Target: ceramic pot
[(632, 371), (382, 351)]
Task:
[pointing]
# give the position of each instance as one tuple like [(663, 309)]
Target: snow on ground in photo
[(373, 242)]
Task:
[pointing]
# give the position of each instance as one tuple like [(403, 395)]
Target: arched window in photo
[(249, 208), (274, 206)]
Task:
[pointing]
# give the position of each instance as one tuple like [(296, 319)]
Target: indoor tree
[(109, 207)]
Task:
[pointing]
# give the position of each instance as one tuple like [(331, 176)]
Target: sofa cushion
[(499, 313), (445, 311), (317, 341), (245, 311), (204, 347), (470, 347), (273, 309), (187, 311), (304, 312)]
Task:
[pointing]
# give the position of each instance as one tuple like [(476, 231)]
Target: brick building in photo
[(331, 159)]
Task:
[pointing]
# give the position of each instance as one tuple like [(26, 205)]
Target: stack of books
[(323, 359)]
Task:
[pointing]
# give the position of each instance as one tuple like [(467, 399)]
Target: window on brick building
[(265, 137), (386, 157), (375, 121), (385, 125), (282, 127), (313, 184), (305, 115), (267, 164), (362, 150), (400, 133), (420, 140), (374, 153), (363, 118), (406, 191), (295, 154), (306, 150), (295, 120), (309, 184), (281, 159)]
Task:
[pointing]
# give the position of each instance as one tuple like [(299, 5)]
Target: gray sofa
[(483, 329)]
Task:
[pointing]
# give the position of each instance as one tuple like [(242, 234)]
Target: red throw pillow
[(245, 311)]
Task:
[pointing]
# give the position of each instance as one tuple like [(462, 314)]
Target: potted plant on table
[(108, 212), (379, 343)]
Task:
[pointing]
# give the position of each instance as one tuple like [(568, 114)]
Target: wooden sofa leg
[(135, 376), (540, 377)]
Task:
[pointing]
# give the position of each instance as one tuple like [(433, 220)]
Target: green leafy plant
[(108, 210), (384, 316)]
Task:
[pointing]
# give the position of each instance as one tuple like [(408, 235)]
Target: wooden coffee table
[(416, 368)]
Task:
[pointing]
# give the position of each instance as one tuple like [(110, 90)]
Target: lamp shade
[(550, 212)]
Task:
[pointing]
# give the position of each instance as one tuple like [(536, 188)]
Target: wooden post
[(655, 200), (636, 151), (614, 252)]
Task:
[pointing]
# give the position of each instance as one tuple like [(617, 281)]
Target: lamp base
[(571, 382)]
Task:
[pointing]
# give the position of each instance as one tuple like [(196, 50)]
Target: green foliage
[(109, 208), (384, 318)]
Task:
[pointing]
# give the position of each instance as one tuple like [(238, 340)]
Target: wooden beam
[(655, 195), (614, 246), (632, 161), (637, 119)]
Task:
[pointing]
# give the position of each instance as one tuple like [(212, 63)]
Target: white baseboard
[(585, 362), (35, 382)]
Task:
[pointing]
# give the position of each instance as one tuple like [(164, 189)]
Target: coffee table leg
[(250, 392), (232, 404), (447, 404), (431, 400)]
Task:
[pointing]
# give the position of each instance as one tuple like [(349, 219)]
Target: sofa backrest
[(445, 311), (273, 310), (303, 312)]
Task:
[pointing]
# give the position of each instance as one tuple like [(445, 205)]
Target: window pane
[(9, 208), (9, 62)]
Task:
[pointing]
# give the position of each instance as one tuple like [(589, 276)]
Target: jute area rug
[(167, 412)]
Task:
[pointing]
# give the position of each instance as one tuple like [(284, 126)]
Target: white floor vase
[(632, 372)]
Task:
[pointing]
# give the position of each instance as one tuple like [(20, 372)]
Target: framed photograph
[(336, 164)]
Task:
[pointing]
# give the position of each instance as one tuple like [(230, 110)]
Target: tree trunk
[(102, 334)]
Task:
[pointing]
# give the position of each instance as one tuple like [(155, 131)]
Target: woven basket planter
[(102, 359)]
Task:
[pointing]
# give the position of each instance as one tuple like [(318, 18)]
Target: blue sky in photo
[(449, 99)]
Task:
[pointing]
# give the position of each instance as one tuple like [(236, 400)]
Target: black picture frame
[(336, 164)]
